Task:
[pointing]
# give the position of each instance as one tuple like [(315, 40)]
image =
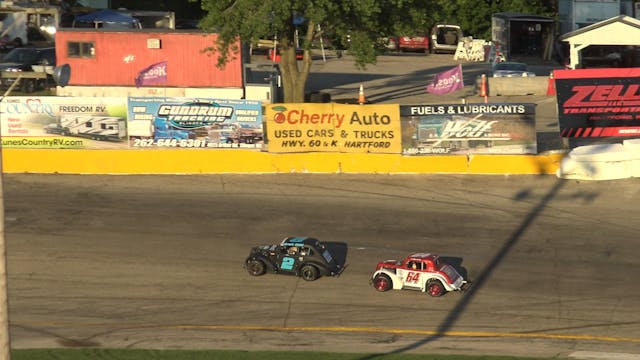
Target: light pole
[(5, 343)]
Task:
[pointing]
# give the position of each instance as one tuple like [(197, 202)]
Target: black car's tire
[(256, 267), (435, 288), (382, 282), (309, 272)]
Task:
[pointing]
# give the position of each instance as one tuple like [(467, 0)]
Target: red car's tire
[(382, 282), (435, 288), (256, 267)]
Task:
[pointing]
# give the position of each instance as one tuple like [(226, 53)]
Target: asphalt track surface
[(156, 262)]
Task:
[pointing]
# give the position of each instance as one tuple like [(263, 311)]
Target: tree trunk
[(295, 72)]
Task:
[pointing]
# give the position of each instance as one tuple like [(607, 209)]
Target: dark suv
[(23, 60)]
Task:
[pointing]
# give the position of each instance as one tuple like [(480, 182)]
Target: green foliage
[(365, 22)]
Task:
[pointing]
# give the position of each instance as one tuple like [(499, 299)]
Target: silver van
[(445, 38)]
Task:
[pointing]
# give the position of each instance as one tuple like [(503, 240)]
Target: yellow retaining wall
[(176, 161)]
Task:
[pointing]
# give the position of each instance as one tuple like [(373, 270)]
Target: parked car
[(306, 257), (24, 59), (511, 69), (417, 42), (445, 38)]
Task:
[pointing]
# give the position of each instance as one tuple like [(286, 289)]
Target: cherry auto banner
[(494, 128), (598, 103), (331, 127)]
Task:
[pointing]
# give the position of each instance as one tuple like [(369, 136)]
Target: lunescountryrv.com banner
[(330, 127), (597, 103), (500, 128), (51, 122)]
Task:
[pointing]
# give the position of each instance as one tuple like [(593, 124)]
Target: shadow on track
[(484, 275)]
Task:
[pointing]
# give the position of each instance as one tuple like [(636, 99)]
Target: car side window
[(306, 251), (293, 250), (412, 265)]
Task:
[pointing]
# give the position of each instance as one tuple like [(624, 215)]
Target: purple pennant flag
[(154, 74), (447, 81)]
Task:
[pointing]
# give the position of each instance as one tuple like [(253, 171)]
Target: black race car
[(301, 256)]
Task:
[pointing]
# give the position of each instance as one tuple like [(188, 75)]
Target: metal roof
[(618, 30), (512, 16)]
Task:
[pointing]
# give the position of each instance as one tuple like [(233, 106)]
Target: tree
[(365, 22)]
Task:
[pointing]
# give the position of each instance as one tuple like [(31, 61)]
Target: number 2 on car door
[(287, 263)]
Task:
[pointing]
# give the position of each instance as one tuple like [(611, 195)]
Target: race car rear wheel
[(382, 282), (256, 267), (309, 272), (435, 288)]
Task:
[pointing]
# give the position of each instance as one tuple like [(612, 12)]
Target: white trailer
[(95, 126)]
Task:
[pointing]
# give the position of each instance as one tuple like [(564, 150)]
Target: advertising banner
[(194, 123), (152, 75), (63, 122), (597, 103), (330, 127), (500, 128), (447, 81)]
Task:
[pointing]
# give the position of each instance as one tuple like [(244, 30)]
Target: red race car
[(419, 271)]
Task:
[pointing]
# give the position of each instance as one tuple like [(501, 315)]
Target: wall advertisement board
[(330, 127), (496, 128), (598, 103), (51, 122), (56, 122), (194, 123)]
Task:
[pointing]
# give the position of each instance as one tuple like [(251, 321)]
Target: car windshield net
[(450, 272), (327, 256)]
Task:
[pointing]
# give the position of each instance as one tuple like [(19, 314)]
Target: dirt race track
[(156, 262)]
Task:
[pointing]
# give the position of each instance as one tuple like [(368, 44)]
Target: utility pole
[(5, 348)]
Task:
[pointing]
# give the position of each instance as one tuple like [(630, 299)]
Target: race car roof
[(423, 256), (297, 241)]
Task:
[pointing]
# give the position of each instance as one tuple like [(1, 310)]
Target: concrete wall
[(535, 85), (208, 161)]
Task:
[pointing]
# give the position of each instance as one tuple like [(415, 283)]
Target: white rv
[(96, 127)]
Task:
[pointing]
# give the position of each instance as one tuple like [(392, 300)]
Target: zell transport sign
[(597, 103)]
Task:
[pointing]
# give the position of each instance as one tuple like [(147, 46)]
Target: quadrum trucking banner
[(329, 127), (597, 103)]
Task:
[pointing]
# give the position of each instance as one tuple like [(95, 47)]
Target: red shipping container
[(99, 57)]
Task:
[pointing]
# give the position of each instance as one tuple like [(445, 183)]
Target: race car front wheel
[(382, 282), (435, 288), (256, 267), (309, 272)]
